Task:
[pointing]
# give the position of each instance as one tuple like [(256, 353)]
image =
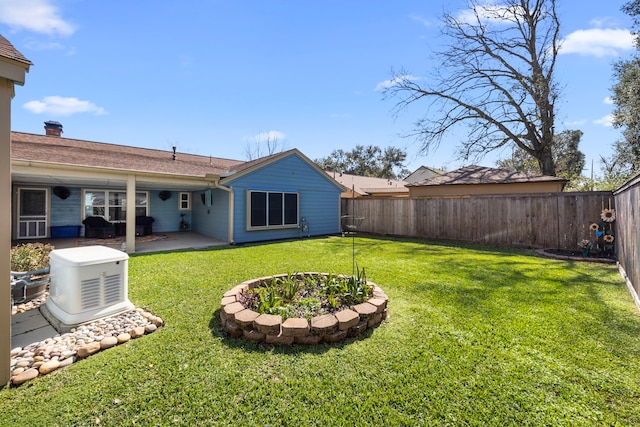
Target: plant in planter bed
[(306, 296)]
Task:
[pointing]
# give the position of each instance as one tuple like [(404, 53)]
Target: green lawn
[(475, 336)]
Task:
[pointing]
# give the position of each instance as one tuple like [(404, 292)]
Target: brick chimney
[(53, 128)]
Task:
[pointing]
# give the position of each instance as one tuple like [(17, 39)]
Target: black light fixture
[(62, 192), (164, 195)]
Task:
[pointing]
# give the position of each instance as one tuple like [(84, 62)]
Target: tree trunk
[(545, 160)]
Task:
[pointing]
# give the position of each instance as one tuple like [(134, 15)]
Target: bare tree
[(568, 159), (265, 144), (496, 76)]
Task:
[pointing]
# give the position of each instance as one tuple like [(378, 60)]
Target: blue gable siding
[(165, 213), (211, 221), (319, 199), (66, 211)]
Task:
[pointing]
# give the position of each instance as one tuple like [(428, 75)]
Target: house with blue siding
[(62, 186)]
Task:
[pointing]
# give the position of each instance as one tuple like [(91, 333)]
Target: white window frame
[(184, 204), (107, 206), (279, 225)]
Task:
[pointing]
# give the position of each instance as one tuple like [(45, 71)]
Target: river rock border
[(239, 321), (44, 357)]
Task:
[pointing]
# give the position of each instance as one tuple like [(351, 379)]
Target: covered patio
[(158, 242)]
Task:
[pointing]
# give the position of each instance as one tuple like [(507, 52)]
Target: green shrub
[(300, 295), (30, 256)]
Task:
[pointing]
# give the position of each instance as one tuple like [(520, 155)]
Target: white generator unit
[(87, 283)]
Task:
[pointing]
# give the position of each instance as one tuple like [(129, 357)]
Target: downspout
[(229, 190)]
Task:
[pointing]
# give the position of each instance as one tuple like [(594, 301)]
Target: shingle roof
[(471, 175), (422, 173), (51, 149), (366, 185), (8, 51)]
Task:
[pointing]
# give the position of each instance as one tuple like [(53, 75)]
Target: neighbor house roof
[(74, 152), (368, 185), (422, 173), (8, 51), (471, 175)]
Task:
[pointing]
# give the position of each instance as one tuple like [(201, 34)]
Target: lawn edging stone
[(239, 321)]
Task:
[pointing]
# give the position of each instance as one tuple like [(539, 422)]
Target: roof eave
[(119, 171)]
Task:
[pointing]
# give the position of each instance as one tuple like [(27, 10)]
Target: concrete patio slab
[(169, 242), (30, 327)]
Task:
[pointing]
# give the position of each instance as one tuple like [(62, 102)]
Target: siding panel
[(319, 198), (67, 211)]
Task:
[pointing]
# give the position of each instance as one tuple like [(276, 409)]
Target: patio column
[(13, 67), (5, 230), (131, 214)]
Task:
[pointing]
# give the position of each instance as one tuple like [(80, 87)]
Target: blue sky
[(214, 77)]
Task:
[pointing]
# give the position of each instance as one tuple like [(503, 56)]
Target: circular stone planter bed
[(568, 255), (240, 321)]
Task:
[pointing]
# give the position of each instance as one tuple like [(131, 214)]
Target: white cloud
[(488, 12), (608, 100), (40, 16), (45, 43), (424, 21), (575, 123), (272, 135), (392, 82), (604, 21), (34, 44), (58, 105), (598, 42), (606, 121)]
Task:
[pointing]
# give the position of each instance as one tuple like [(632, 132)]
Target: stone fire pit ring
[(240, 321)]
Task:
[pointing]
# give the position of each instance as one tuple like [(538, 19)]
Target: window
[(272, 209), (112, 205), (185, 201)]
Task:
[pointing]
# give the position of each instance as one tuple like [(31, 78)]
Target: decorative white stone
[(123, 337), (48, 367), (108, 342), (88, 349), (61, 350), (27, 375)]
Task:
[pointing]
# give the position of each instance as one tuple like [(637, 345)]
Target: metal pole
[(353, 236)]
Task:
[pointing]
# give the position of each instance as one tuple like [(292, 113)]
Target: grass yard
[(476, 336)]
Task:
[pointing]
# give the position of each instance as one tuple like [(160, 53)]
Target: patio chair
[(144, 225), (97, 226)]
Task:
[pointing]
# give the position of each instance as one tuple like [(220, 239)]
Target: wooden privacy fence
[(544, 220), (628, 234)]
